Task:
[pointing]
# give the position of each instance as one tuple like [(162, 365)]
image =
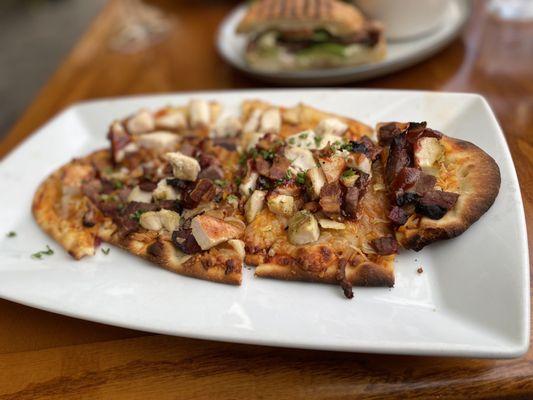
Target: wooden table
[(43, 355)]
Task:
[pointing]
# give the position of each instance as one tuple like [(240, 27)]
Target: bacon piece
[(388, 131), (399, 157), (435, 203), (203, 191), (279, 168), (331, 198), (147, 185), (184, 240), (425, 183), (343, 281), (398, 216), (262, 166), (212, 172), (119, 139), (206, 160), (351, 201), (385, 245), (229, 143), (405, 179), (188, 149), (419, 132)]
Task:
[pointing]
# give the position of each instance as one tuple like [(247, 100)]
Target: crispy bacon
[(414, 134), (184, 240), (405, 179), (119, 139), (262, 166), (228, 143), (351, 201), (331, 198), (398, 216), (388, 131), (435, 203), (212, 172), (279, 168), (203, 191), (366, 146), (385, 245), (399, 157), (147, 185), (424, 183), (188, 149)]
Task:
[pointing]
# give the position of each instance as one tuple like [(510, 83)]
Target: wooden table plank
[(51, 356)]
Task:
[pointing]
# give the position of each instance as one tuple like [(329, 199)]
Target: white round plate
[(399, 54)]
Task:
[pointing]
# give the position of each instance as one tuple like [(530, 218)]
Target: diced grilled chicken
[(331, 126), (301, 159), (199, 113), (427, 151), (332, 167), (238, 246), (228, 127), (164, 191), (316, 181), (360, 162), (141, 122), (183, 167), (158, 140), (281, 204), (157, 220), (210, 231), (305, 139), (139, 195), (252, 124), (330, 224), (172, 120), (270, 121), (254, 205), (303, 228), (248, 183)]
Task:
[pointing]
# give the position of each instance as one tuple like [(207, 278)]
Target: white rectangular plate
[(471, 300)]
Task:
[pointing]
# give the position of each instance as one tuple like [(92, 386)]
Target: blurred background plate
[(399, 54)]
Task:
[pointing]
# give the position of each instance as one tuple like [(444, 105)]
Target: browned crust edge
[(479, 182)]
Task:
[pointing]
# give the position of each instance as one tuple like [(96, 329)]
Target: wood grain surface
[(47, 356)]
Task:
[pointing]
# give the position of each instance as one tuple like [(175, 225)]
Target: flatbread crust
[(473, 174), (59, 211)]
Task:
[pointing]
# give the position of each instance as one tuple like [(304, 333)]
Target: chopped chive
[(11, 234), (221, 182), (39, 255), (106, 251)]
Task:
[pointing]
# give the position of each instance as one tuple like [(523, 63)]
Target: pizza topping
[(270, 121), (399, 158), (388, 131), (172, 120), (398, 216), (183, 167), (435, 203), (305, 139), (203, 191), (279, 167), (141, 122), (331, 199), (254, 205), (146, 185), (158, 140), (248, 183), (330, 224), (238, 246), (228, 127), (281, 204), (213, 172), (252, 124), (418, 130), (302, 159), (385, 245), (184, 240), (351, 201), (140, 196), (119, 139), (164, 191), (157, 220), (262, 166), (427, 151), (209, 231), (199, 113), (360, 162), (303, 228), (343, 281), (331, 126), (88, 220), (349, 177), (404, 180), (332, 167), (316, 181)]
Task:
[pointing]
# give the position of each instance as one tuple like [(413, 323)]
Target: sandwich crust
[(475, 176), (337, 17)]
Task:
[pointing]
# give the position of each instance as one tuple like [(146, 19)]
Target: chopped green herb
[(11, 234), (303, 135), (108, 197), (238, 180), (106, 251), (221, 182), (318, 140), (232, 197), (347, 173), (300, 178), (267, 154), (137, 215), (292, 140), (242, 158), (39, 255), (108, 170), (117, 184)]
